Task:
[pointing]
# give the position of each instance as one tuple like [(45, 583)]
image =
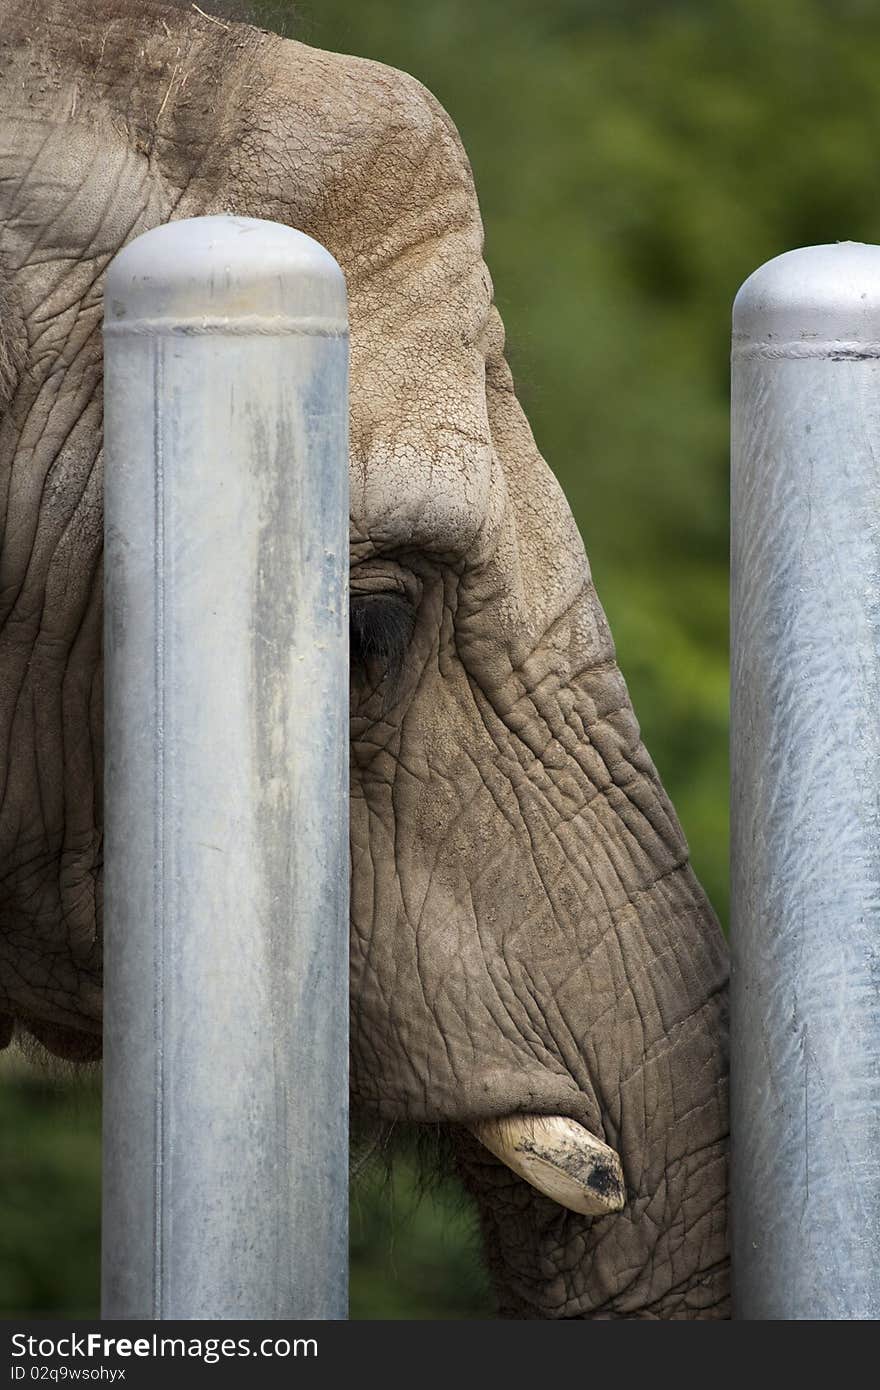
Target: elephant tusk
[(558, 1157)]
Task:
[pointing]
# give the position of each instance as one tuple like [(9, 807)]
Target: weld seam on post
[(251, 325), (833, 351), (159, 850)]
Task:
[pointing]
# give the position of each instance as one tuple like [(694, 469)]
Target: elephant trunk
[(651, 1242)]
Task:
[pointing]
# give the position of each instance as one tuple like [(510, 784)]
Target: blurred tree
[(50, 1171)]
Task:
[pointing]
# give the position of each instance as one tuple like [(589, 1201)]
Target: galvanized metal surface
[(805, 755), (226, 1050)]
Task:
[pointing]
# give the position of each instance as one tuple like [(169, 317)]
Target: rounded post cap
[(225, 272), (813, 295)]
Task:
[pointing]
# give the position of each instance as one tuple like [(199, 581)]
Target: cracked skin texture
[(527, 934)]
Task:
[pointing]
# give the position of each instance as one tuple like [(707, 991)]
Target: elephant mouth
[(559, 1158), (554, 1154)]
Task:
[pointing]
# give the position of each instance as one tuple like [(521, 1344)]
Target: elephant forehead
[(394, 201), (357, 154)]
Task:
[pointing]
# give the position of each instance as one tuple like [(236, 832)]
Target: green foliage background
[(635, 160)]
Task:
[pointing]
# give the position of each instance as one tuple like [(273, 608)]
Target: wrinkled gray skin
[(527, 934)]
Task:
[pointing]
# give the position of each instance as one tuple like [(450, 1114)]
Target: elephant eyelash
[(380, 629)]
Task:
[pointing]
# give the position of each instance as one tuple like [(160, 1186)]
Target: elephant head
[(533, 964)]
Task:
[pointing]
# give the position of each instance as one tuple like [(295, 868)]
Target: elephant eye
[(380, 628)]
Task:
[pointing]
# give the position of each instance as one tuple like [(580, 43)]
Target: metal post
[(226, 636), (805, 754)]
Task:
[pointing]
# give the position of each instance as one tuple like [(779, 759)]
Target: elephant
[(535, 969)]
